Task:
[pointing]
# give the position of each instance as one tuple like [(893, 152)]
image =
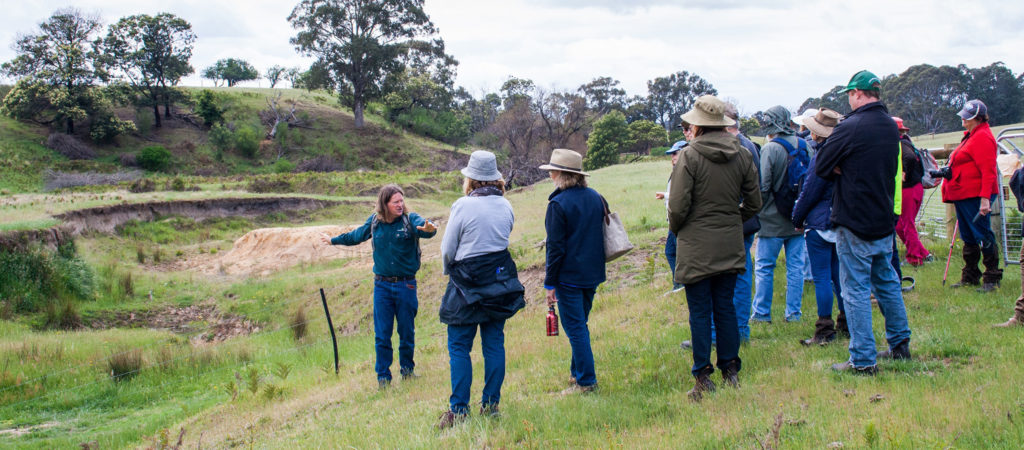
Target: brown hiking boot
[(841, 327), (731, 374), (449, 419), (1013, 322), (489, 410), (702, 384), (824, 332), (577, 389)]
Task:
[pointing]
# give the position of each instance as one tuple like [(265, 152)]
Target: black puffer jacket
[(481, 289)]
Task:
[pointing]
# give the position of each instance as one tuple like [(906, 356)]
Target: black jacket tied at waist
[(481, 289)]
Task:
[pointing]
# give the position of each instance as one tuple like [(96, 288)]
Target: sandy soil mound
[(267, 250)]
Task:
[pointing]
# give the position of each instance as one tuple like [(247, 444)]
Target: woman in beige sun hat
[(574, 259), (715, 188)]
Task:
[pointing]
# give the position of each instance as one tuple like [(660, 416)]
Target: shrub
[(298, 324), (247, 141), (221, 137), (142, 185), (269, 184), (34, 280), (127, 284), (144, 120), (125, 364), (166, 358), (609, 138), (154, 158), (105, 126), (283, 166), (206, 107), (62, 316), (69, 146), (178, 184)]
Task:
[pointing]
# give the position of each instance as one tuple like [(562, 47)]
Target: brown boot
[(841, 328), (970, 275), (824, 332), (1013, 322), (731, 373), (993, 274), (702, 385)]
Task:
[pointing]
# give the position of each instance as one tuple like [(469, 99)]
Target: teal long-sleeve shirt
[(394, 249)]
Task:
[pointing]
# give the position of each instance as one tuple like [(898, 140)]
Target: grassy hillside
[(268, 389), (327, 130)]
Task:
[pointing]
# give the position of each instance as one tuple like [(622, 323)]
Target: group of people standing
[(723, 191)]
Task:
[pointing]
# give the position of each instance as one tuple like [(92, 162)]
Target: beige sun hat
[(708, 111), (565, 160), (823, 122)]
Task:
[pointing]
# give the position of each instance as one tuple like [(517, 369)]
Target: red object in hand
[(552, 321)]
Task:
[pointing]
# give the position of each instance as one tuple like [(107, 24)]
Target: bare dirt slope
[(266, 250)]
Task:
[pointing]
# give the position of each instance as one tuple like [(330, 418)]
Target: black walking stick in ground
[(330, 325)]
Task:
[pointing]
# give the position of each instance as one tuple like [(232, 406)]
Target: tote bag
[(616, 241)]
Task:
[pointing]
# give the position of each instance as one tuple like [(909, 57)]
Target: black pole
[(330, 325)]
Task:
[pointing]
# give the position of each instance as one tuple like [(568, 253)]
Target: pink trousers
[(905, 228)]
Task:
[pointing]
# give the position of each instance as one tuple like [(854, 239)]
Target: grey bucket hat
[(482, 166), (777, 119)]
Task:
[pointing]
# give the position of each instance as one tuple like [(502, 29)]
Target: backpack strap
[(407, 223), (801, 145)]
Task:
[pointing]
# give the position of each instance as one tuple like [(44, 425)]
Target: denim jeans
[(574, 308), (768, 249), (864, 267), (825, 265), (670, 255), (492, 344), (975, 232), (741, 296), (710, 300), (394, 301)]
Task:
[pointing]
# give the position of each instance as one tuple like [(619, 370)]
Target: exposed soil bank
[(107, 218)]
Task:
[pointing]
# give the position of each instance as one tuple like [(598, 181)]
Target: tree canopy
[(231, 71)]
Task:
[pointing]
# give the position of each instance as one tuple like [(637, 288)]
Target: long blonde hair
[(383, 197)]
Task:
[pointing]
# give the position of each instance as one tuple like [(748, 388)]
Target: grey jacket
[(773, 175), (476, 226)]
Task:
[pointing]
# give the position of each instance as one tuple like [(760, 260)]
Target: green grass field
[(271, 390)]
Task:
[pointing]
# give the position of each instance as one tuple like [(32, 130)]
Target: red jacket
[(975, 172)]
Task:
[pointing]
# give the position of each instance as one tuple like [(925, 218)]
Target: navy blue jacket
[(575, 238), (814, 205), (481, 289), (753, 224), (865, 148)]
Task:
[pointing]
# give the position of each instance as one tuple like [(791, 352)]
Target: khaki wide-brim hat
[(708, 111), (565, 160), (823, 122)]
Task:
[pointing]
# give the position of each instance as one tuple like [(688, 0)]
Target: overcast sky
[(758, 53)]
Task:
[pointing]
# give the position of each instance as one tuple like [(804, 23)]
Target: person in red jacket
[(972, 188)]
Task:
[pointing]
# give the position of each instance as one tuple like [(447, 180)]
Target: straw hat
[(822, 123), (565, 160), (708, 111), (482, 166)]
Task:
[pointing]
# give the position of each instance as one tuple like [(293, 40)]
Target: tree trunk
[(357, 110), (71, 126), (167, 104), (156, 114)]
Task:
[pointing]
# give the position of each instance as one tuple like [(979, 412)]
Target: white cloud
[(760, 53)]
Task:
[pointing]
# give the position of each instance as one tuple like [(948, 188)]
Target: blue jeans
[(492, 343), (975, 232), (864, 267), (670, 255), (394, 302), (741, 296), (768, 249), (710, 300), (574, 308), (825, 266)]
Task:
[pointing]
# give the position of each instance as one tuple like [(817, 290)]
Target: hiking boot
[(988, 287), (577, 389), (970, 275), (383, 383), (450, 419), (849, 367), (824, 332), (702, 384), (1013, 322), (409, 375), (572, 381), (489, 410), (731, 374), (928, 259), (841, 328), (899, 351)]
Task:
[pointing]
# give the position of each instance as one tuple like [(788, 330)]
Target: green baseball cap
[(863, 80)]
